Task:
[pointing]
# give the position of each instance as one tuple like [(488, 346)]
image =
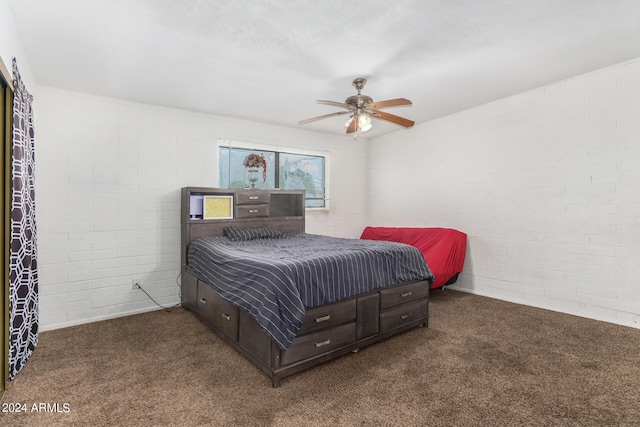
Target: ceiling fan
[(361, 108)]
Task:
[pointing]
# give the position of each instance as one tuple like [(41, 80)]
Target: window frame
[(277, 149)]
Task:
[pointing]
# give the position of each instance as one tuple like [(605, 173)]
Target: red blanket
[(444, 249)]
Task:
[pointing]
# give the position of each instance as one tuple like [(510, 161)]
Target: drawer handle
[(253, 211), (323, 318), (226, 316), (405, 316), (203, 301), (253, 197), (406, 294), (323, 343)]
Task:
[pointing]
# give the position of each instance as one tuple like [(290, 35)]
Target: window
[(285, 170)]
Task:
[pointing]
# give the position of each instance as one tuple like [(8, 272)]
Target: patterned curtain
[(23, 273)]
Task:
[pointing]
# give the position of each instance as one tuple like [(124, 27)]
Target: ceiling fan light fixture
[(364, 122)]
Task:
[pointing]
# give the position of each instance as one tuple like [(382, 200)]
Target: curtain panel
[(23, 271)]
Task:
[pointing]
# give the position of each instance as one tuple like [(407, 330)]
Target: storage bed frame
[(328, 331)]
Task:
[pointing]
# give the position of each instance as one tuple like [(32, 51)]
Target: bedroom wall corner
[(11, 46), (545, 184)]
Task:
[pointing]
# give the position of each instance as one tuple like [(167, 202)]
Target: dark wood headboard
[(282, 210)]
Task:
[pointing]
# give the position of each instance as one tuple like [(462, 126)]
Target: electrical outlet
[(135, 284)]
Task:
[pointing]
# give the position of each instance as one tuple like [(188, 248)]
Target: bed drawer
[(219, 314), (328, 316), (252, 211), (253, 197), (403, 294), (316, 343), (403, 315)]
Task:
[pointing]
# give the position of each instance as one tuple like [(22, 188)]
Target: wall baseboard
[(78, 322)]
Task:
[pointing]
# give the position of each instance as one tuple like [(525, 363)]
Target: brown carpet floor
[(481, 362)]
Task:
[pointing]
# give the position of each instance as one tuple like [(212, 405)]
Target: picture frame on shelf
[(217, 207)]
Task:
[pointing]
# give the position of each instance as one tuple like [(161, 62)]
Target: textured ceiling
[(271, 60)]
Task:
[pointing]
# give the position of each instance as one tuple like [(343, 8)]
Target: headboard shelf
[(207, 211)]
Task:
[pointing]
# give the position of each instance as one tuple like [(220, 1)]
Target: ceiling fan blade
[(313, 119), (335, 104), (397, 102), (353, 126), (392, 118)]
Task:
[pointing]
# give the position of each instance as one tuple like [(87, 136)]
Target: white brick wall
[(108, 176), (546, 184)]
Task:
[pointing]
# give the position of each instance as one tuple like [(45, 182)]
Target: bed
[(285, 299), (444, 249)]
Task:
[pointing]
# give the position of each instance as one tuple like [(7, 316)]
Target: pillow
[(238, 234)]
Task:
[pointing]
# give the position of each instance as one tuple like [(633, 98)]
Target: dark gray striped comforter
[(275, 279)]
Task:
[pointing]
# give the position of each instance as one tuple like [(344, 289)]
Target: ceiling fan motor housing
[(358, 101)]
